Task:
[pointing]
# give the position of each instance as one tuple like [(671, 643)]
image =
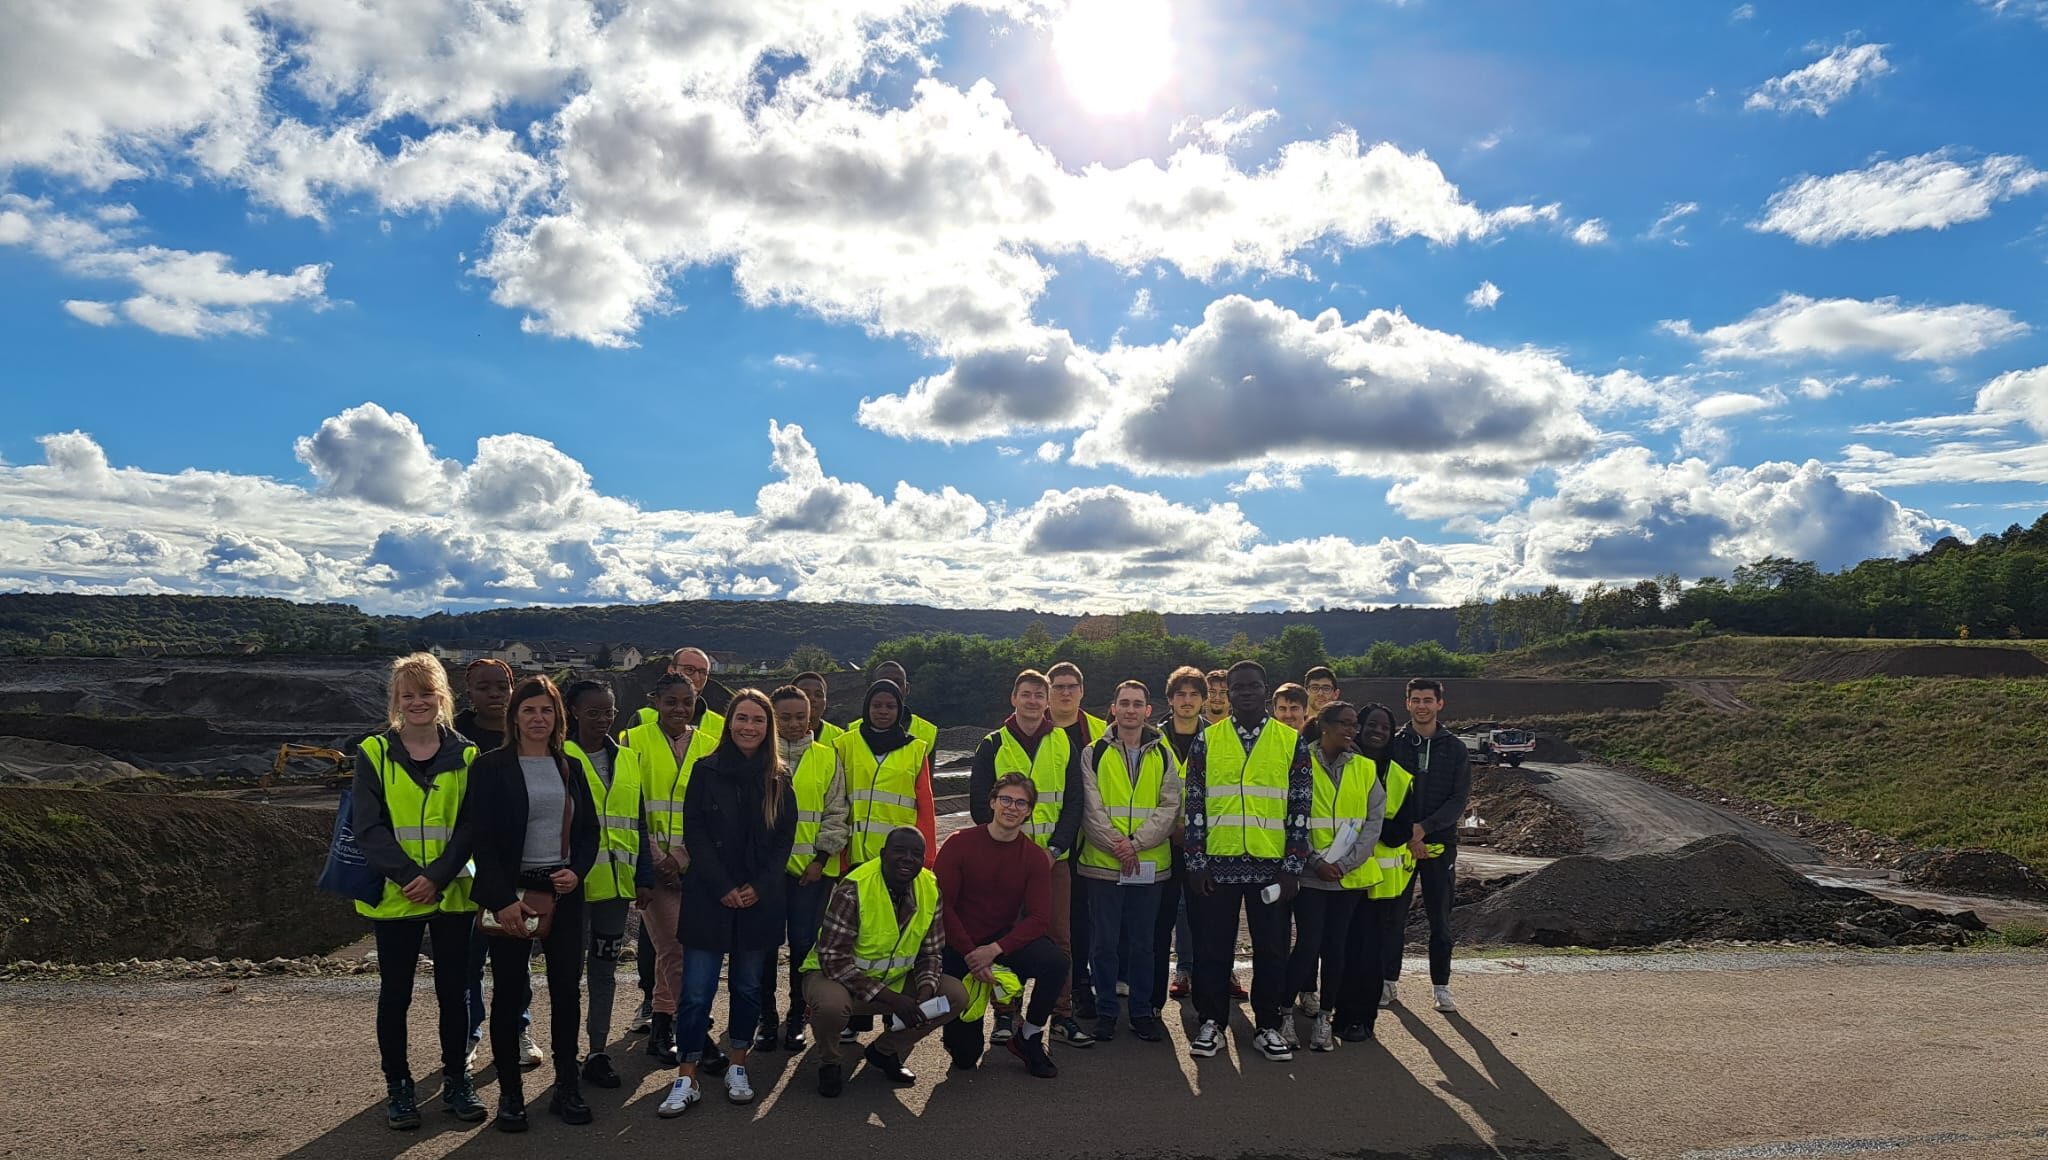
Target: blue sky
[(1193, 306)]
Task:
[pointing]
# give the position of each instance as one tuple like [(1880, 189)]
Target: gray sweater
[(1369, 829)]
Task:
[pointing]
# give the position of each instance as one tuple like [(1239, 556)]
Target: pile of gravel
[(1973, 872)]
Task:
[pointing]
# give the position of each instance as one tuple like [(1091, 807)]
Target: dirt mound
[(1923, 660), (28, 761), (1973, 872), (1519, 819), (1555, 750), (273, 696), (94, 877)]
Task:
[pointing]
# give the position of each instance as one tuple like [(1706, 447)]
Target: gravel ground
[(1706, 1057)]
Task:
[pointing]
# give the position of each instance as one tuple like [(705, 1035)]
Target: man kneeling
[(879, 952)]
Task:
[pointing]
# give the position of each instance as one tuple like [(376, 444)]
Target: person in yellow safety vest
[(824, 818), (888, 776), (1344, 823), (624, 871), (666, 750), (693, 664), (813, 685), (1027, 743), (1372, 949), (1068, 691), (1130, 804), (408, 820), (1248, 796), (924, 731), (880, 952)]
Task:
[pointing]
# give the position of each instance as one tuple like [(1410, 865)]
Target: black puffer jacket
[(1443, 779), (732, 845)]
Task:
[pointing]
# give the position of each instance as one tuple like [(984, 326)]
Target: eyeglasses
[(1013, 803), (1066, 688), (699, 670)]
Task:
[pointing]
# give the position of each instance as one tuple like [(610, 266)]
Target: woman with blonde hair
[(536, 833), (739, 822), (409, 820)]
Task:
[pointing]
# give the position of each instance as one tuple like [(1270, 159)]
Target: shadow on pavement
[(1524, 1120)]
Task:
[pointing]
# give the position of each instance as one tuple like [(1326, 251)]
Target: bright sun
[(1115, 54)]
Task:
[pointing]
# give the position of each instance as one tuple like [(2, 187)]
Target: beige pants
[(663, 908), (832, 1007)]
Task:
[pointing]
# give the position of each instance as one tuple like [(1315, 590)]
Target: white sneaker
[(1287, 1034), (1207, 1039), (681, 1094), (1272, 1046), (643, 1019), (1123, 989), (1444, 1002), (1319, 1036), (529, 1051), (737, 1089), (1309, 1004), (1387, 995), (469, 1065)]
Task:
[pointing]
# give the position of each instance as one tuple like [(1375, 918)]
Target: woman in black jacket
[(739, 822), (536, 831)]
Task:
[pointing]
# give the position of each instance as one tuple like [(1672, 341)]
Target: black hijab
[(884, 741)]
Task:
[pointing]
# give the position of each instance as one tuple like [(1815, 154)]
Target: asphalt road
[(1922, 1055)]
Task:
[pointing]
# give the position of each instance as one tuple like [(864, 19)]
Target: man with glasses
[(1029, 745), (1322, 688), (1068, 689), (693, 664), (997, 905)]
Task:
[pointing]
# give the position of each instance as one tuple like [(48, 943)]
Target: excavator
[(330, 766)]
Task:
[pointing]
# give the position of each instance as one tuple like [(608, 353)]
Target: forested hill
[(755, 630)]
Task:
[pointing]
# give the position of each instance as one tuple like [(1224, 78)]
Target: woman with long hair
[(537, 834), (413, 825), (739, 822)]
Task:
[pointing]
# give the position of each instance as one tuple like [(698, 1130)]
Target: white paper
[(1146, 875), (932, 1008), (1347, 837), (1271, 893)]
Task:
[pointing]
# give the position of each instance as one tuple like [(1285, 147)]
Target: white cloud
[(1050, 451), (2035, 9), (1932, 191), (300, 169), (1797, 326), (1823, 84), (1280, 477), (1447, 499), (374, 455), (1671, 226), (2010, 399), (1743, 12), (1591, 232), (1485, 297), (1729, 404), (96, 313), (1232, 128), (519, 481), (1141, 305), (794, 362), (995, 391), (1130, 526)]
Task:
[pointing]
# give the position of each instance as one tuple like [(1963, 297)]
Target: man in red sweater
[(995, 892)]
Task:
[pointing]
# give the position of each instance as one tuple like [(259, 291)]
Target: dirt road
[(1623, 815), (1599, 1057)]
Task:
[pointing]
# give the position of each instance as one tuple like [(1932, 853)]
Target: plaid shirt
[(841, 929)]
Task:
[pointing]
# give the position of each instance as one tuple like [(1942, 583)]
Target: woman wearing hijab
[(739, 822), (887, 777)]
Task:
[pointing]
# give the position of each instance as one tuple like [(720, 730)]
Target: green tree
[(812, 658)]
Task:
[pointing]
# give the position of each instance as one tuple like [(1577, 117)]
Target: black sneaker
[(661, 1038), (793, 1033), (1006, 1026), (1070, 1032), (401, 1105), (889, 1066), (458, 1096), (831, 1081), (598, 1069), (1354, 1033), (1146, 1027), (768, 1036), (1032, 1052), (511, 1115), (713, 1061), (567, 1103), (1105, 1029), (1084, 1004)]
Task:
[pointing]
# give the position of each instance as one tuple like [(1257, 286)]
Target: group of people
[(537, 822)]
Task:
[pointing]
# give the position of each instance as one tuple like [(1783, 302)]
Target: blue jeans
[(479, 946), (1120, 921), (700, 986)]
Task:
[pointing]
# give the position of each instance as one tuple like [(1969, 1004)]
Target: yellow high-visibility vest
[(1129, 800), (664, 780), (882, 793), (711, 724), (883, 950), (1246, 802), (1047, 770), (1346, 801), (423, 821), (618, 820), (811, 778), (1397, 865)]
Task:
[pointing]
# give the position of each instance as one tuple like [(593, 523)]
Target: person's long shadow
[(1524, 1119)]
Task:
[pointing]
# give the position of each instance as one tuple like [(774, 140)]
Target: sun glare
[(1115, 54)]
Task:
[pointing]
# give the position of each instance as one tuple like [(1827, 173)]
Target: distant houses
[(523, 655)]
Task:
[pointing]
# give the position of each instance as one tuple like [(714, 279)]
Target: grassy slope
[(1676, 653)]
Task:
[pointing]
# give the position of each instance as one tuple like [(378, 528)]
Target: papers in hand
[(932, 1008), (1145, 875), (1347, 837)]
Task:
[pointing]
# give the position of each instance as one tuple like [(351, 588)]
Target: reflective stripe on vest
[(882, 794), (712, 724), (1128, 803), (1047, 770), (1337, 803), (882, 950), (618, 807), (423, 821), (1247, 793), (1397, 865), (663, 782), (812, 778)]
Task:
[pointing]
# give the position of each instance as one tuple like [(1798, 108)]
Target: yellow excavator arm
[(338, 764)]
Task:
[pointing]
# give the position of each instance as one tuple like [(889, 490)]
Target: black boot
[(713, 1062), (661, 1038), (793, 1037), (769, 1036), (511, 1104), (401, 1106), (567, 1102)]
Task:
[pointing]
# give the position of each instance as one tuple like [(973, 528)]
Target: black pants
[(1439, 876), (1040, 965), (644, 959), (1170, 896), (805, 905), (1372, 956), (1216, 947), (512, 991), (1079, 938), (1322, 930), (398, 958)]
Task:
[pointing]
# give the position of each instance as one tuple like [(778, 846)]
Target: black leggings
[(398, 957), (1040, 965), (1372, 957), (1322, 928), (512, 992)]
